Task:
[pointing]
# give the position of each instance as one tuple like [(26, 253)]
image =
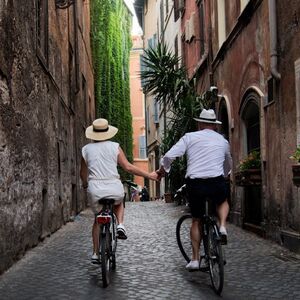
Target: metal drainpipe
[(273, 39)]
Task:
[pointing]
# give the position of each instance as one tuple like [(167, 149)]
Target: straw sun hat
[(208, 116), (100, 130)]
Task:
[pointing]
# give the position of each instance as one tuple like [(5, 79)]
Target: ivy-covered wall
[(111, 44)]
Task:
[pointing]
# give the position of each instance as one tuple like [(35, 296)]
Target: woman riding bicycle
[(100, 176), (209, 159)]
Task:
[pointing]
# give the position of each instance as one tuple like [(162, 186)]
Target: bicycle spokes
[(215, 258)]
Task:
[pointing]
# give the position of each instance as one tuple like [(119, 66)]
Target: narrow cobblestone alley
[(149, 264)]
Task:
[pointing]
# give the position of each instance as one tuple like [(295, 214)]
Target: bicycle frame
[(107, 239)]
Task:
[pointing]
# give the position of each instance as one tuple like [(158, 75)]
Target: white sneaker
[(121, 232), (223, 230), (193, 265), (95, 258)]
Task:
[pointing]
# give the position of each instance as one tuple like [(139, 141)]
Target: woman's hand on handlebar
[(154, 176)]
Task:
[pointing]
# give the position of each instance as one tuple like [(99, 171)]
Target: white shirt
[(103, 178), (208, 154)]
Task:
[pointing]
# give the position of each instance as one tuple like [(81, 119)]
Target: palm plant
[(160, 74), (163, 78)]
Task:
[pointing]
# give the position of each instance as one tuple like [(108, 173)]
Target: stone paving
[(149, 264)]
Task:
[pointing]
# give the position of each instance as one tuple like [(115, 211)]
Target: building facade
[(248, 50), (46, 102), (160, 21), (137, 102)]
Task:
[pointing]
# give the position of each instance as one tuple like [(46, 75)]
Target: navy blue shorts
[(198, 189)]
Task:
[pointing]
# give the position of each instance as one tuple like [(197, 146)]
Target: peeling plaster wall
[(41, 133), (288, 14)]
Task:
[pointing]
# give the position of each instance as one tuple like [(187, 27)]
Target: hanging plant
[(111, 44)]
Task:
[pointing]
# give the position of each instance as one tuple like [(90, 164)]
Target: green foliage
[(172, 88), (252, 161), (296, 155), (111, 44)]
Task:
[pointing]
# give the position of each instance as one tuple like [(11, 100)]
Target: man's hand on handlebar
[(160, 173)]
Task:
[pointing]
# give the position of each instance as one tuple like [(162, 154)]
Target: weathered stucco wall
[(245, 66), (43, 113), (288, 14)]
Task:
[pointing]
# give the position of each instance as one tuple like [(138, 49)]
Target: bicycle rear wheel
[(183, 236), (105, 244), (113, 241), (215, 259)]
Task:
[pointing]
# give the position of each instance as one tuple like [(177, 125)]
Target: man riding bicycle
[(208, 161)]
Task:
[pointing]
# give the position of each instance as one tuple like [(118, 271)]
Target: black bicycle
[(107, 239), (213, 252)]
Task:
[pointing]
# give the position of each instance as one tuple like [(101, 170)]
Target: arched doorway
[(223, 117), (250, 141), (224, 130)]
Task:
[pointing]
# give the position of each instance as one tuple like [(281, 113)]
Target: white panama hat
[(100, 130), (208, 116)]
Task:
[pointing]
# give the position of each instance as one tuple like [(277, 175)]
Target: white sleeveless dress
[(103, 178)]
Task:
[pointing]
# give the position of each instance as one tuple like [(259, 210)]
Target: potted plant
[(296, 167), (249, 170)]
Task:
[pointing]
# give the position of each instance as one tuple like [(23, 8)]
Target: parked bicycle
[(107, 239), (213, 255), (132, 190), (180, 197)]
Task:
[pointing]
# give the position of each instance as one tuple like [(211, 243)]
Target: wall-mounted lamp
[(61, 4)]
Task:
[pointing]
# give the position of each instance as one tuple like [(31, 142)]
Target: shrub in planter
[(296, 167), (249, 170)]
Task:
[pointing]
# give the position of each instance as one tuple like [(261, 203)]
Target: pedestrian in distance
[(208, 163), (144, 194), (100, 176)]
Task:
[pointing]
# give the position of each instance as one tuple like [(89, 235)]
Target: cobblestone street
[(149, 264)]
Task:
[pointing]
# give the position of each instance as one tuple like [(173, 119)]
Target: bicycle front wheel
[(215, 259), (183, 229), (105, 243)]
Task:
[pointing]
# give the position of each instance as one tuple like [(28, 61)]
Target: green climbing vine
[(111, 44)]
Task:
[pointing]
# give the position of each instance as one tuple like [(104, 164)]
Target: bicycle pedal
[(223, 239), (204, 269)]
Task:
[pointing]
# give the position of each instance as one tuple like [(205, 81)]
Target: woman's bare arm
[(130, 168)]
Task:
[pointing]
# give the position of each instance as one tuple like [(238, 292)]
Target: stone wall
[(46, 101)]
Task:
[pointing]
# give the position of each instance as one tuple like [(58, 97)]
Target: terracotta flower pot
[(168, 197), (248, 177)]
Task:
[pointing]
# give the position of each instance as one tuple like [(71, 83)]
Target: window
[(176, 50), (71, 77), (250, 117), (143, 68), (202, 31), (167, 7), (271, 90), (221, 22), (156, 111), (297, 84), (84, 99), (42, 30), (176, 10), (223, 116), (148, 119), (142, 147), (161, 19), (243, 4)]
